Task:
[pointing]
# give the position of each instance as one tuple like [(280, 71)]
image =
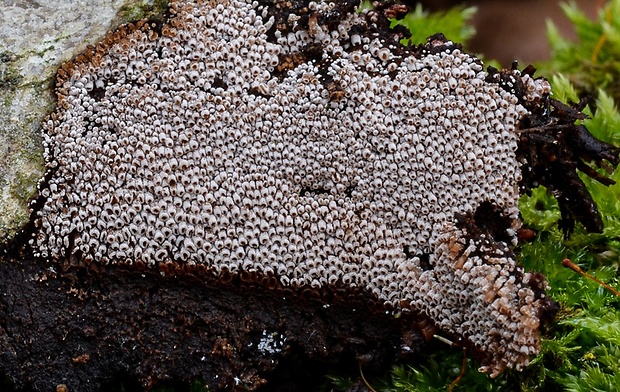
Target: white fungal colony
[(188, 147)]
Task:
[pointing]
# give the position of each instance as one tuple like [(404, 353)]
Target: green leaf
[(563, 89), (605, 123), (539, 209)]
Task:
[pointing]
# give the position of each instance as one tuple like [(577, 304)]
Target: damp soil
[(91, 330)]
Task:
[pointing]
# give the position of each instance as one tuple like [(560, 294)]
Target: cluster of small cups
[(185, 146)]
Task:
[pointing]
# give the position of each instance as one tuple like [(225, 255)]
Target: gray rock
[(35, 38)]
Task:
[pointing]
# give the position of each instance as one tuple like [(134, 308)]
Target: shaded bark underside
[(85, 328)]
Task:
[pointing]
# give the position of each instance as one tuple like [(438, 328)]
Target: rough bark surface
[(85, 328)]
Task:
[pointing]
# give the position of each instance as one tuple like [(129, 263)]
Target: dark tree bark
[(85, 328)]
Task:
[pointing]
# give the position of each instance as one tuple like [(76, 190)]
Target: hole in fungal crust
[(334, 88), (349, 190), (289, 61), (424, 258), (425, 262), (219, 82), (313, 191), (97, 93), (408, 253), (256, 92), (487, 220), (490, 220)]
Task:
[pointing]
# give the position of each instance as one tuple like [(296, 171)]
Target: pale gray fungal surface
[(365, 167)]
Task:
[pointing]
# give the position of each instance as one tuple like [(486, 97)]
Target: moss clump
[(154, 11), (591, 61), (422, 24), (10, 78)]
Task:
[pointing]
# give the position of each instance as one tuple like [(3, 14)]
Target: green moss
[(10, 77), (24, 186), (591, 61), (422, 24), (539, 209), (18, 188), (154, 11)]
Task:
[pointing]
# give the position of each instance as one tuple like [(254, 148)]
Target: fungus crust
[(309, 150)]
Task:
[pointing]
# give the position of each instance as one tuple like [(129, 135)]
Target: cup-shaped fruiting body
[(321, 154)]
